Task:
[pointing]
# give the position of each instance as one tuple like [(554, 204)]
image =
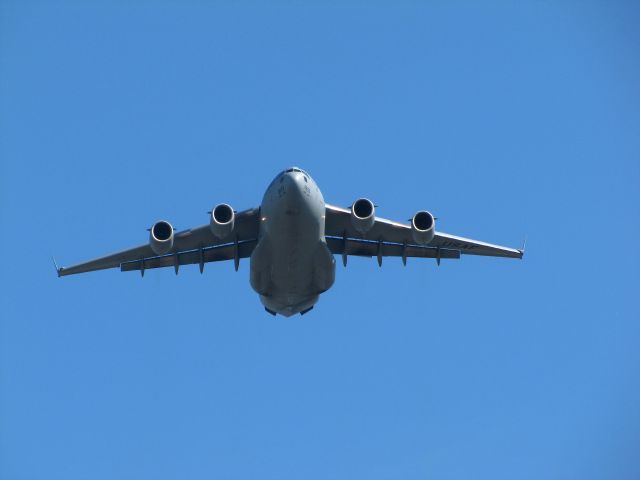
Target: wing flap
[(474, 247), (205, 255), (110, 261), (368, 248)]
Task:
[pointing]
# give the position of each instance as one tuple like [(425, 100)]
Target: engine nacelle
[(423, 227), (363, 214), (161, 237), (222, 220)]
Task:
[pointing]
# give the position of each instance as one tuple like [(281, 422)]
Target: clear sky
[(507, 119)]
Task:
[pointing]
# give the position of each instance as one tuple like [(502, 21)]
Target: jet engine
[(222, 220), (363, 214), (423, 227), (161, 237)]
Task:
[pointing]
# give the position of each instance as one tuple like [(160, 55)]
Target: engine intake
[(423, 227), (161, 237), (222, 220), (363, 215)]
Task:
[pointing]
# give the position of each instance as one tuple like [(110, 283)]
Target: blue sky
[(504, 119)]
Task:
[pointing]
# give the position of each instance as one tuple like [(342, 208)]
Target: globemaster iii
[(291, 240)]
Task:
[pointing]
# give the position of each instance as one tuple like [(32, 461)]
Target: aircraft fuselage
[(291, 264)]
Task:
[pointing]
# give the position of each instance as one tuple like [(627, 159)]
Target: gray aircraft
[(291, 240)]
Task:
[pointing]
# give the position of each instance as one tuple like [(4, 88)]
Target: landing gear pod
[(363, 215), (423, 227), (222, 220), (161, 237)]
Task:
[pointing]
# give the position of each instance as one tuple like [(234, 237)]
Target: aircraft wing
[(192, 246), (389, 238)]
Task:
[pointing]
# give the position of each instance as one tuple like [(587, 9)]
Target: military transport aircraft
[(291, 240)]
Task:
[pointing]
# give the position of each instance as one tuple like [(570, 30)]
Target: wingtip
[(524, 246), (58, 269)]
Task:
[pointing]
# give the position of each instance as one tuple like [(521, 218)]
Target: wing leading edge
[(395, 237)]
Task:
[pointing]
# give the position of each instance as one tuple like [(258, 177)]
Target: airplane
[(291, 240)]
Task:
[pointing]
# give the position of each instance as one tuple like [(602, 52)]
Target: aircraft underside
[(291, 240)]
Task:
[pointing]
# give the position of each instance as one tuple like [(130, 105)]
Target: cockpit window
[(294, 169)]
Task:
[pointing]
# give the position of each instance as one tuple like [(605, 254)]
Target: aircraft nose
[(293, 184)]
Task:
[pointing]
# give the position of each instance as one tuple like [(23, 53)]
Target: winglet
[(524, 245), (58, 269)]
